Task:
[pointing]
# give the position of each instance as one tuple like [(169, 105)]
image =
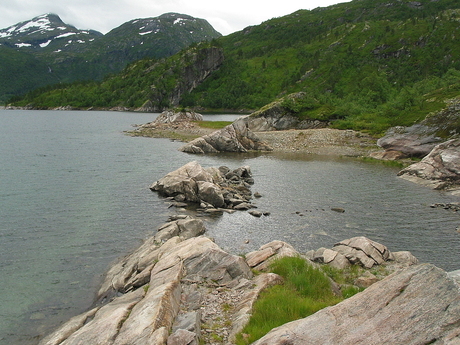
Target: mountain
[(365, 64), (45, 50), (47, 30)]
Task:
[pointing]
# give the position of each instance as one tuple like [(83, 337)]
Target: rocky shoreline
[(273, 132), (186, 290), (179, 287)]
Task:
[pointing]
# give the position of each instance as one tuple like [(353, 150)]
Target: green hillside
[(366, 64), (32, 58)]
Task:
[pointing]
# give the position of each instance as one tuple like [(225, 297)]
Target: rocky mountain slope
[(45, 50)]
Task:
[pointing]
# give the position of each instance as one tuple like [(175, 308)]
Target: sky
[(104, 15)]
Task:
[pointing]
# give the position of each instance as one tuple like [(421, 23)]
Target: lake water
[(74, 197)]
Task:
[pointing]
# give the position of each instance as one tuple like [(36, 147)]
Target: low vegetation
[(365, 65), (213, 124), (306, 290)]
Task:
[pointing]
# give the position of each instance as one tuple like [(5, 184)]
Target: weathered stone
[(167, 231), (455, 275), (329, 255), (340, 262), (366, 280), (278, 248), (169, 116), (389, 155), (182, 337), (256, 257), (318, 254), (355, 256), (211, 193), (190, 227), (242, 206), (70, 327), (255, 213), (120, 273), (415, 141), (232, 138), (209, 187), (156, 310), (189, 321), (376, 251), (418, 305), (404, 258), (275, 116), (104, 327), (439, 169)]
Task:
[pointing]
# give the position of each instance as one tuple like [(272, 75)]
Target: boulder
[(418, 305), (261, 258), (170, 116), (415, 141), (211, 187), (185, 228), (440, 169), (378, 252), (232, 138)]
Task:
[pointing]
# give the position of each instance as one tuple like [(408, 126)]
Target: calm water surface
[(74, 197)]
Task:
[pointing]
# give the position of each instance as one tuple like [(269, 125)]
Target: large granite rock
[(415, 141), (146, 314), (220, 188), (440, 169), (418, 305), (232, 138), (169, 116), (281, 115)]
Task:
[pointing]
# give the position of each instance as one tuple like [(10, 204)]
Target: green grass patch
[(305, 291), (213, 124)]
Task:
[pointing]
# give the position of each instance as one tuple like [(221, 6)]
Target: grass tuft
[(305, 291)]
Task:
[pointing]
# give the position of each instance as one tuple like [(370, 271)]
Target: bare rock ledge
[(185, 289)]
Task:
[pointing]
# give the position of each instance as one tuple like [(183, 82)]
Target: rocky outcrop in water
[(177, 292), (182, 288), (418, 305), (233, 138), (210, 187), (440, 169)]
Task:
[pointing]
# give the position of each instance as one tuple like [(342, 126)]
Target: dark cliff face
[(195, 66)]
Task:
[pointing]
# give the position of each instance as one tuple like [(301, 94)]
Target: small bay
[(74, 197)]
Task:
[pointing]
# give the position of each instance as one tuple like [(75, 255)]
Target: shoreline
[(320, 141)]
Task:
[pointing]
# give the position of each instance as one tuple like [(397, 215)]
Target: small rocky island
[(181, 288)]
